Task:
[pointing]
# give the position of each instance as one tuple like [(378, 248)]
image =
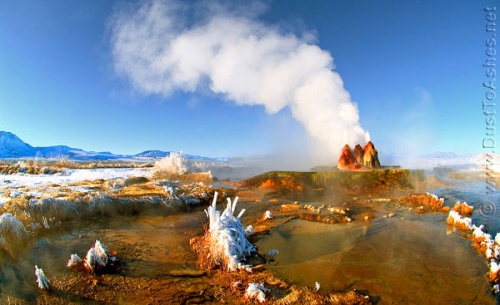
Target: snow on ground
[(72, 175)]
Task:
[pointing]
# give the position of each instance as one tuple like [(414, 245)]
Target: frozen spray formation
[(160, 50)]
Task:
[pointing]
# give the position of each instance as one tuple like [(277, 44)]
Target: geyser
[(160, 49)]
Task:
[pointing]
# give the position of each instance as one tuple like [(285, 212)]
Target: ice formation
[(74, 261), (497, 239), (10, 225), (97, 257), (41, 279), (54, 207), (228, 243), (258, 291), (483, 242), (272, 252), (494, 266), (268, 215), (317, 286), (455, 219), (479, 234), (249, 230)]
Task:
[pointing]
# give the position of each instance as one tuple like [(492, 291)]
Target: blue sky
[(412, 68)]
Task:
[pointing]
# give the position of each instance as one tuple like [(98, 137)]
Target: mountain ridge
[(12, 147)]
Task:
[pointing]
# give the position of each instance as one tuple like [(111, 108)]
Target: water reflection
[(403, 262), (300, 240), (486, 204)]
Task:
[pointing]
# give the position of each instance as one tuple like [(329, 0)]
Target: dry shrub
[(65, 162), (54, 207), (206, 260), (301, 295), (27, 167), (203, 177), (201, 245)]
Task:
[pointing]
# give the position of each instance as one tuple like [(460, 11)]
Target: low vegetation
[(47, 166)]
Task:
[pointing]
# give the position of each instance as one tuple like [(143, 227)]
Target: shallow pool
[(157, 263), (396, 261)]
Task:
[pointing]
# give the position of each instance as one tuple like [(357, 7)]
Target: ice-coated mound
[(11, 226), (257, 291), (74, 261), (41, 279), (228, 243), (97, 258)]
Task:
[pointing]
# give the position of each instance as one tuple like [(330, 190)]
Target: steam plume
[(239, 57)]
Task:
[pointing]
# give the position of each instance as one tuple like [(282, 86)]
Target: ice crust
[(41, 279), (228, 242), (256, 290)]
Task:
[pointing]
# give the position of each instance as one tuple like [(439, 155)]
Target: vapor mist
[(160, 49)]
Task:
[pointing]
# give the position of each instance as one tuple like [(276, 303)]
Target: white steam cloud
[(160, 50)]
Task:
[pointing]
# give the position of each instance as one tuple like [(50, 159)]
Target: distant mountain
[(11, 146), (152, 154)]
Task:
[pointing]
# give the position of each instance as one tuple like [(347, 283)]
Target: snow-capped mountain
[(11, 146), (152, 154)]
